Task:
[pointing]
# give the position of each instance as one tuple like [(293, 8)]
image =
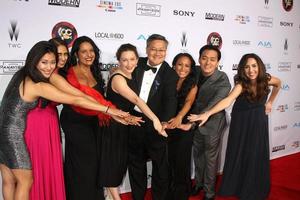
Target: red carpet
[(285, 180)]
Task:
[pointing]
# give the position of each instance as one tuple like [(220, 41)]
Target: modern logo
[(284, 66), (65, 31), (286, 24), (282, 108), (183, 39), (285, 87), (297, 106), (278, 148), (265, 21), (151, 10), (109, 36), (142, 37), (183, 13), (265, 44), (287, 5), (215, 39), (242, 19), (235, 66), (66, 3), (214, 16), (280, 128), (14, 35), (241, 43), (9, 67), (110, 6), (108, 66)]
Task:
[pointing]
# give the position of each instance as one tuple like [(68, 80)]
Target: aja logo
[(285, 87), (296, 125), (265, 44)]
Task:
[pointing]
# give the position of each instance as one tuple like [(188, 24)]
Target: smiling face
[(156, 52), (86, 54), (128, 61), (47, 64), (208, 62), (251, 69), (183, 67), (63, 56)]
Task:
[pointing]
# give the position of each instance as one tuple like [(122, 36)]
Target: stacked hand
[(202, 118)]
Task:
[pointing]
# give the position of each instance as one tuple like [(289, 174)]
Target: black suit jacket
[(162, 98)]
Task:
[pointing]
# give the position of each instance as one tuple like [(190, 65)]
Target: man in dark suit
[(213, 86), (156, 85)]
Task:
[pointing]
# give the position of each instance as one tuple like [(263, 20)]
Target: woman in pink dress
[(42, 136)]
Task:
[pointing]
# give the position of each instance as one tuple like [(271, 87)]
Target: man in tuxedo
[(155, 83), (213, 86)]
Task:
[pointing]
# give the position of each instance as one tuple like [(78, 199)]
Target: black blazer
[(162, 98)]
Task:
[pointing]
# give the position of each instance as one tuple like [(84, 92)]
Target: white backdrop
[(269, 28)]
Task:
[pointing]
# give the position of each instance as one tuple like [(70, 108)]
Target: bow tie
[(153, 69)]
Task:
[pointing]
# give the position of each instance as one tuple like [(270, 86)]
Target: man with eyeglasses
[(156, 84)]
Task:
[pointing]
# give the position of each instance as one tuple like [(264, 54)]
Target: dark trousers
[(180, 150), (145, 143), (206, 151)]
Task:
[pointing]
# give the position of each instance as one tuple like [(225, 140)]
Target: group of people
[(148, 110)]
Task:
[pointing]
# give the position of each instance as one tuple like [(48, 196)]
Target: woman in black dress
[(247, 170), (180, 141), (114, 140), (81, 126)]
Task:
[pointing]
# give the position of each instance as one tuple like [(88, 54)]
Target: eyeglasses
[(160, 51)]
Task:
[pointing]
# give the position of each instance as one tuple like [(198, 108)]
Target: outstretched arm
[(226, 102), (120, 86), (276, 83), (176, 121)]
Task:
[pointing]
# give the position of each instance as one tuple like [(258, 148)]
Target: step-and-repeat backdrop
[(269, 28)]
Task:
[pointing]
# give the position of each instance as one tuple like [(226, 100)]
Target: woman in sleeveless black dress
[(247, 170)]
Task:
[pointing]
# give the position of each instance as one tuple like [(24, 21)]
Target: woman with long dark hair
[(246, 171)]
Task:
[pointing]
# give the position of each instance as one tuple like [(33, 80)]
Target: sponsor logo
[(285, 87), (287, 5), (109, 36), (268, 66), (108, 66), (65, 31), (241, 42), (298, 66), (265, 21), (286, 24), (14, 35), (151, 10), (9, 67), (242, 19), (215, 39), (265, 44), (235, 66), (220, 67), (285, 46), (214, 16), (284, 66), (296, 125), (297, 106), (266, 4), (22, 0), (296, 144), (183, 39), (183, 13), (110, 6), (282, 108), (280, 128), (278, 148), (66, 3), (142, 37)]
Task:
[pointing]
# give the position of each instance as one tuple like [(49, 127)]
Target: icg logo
[(287, 5), (65, 31), (215, 39)]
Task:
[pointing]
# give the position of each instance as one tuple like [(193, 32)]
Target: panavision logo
[(297, 106), (265, 21), (284, 66), (110, 6), (151, 10), (278, 148), (67, 3), (9, 67)]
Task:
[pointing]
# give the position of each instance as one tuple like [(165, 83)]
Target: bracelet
[(107, 109)]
